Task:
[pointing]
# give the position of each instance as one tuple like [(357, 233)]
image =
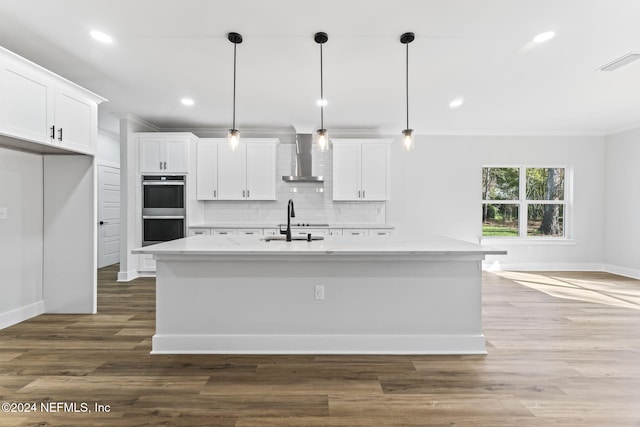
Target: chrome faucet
[(290, 214)]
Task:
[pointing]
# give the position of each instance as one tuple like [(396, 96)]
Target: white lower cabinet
[(146, 263)]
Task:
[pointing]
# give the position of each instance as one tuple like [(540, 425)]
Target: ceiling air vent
[(620, 62)]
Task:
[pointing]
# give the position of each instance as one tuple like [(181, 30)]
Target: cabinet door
[(76, 121), (232, 173), (175, 154), (207, 171), (374, 171), (27, 103), (346, 171), (150, 160), (261, 171)]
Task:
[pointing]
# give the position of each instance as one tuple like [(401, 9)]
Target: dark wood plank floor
[(564, 350)]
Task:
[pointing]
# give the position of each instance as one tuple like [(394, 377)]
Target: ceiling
[(480, 50)]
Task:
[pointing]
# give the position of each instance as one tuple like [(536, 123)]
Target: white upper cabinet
[(206, 170), (360, 169), (39, 106), (76, 119), (261, 171), (248, 173), (166, 152), (232, 172)]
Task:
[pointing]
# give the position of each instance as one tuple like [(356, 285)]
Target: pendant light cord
[(321, 92), (234, 85), (407, 85)]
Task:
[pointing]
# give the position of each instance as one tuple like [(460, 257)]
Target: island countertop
[(256, 245)]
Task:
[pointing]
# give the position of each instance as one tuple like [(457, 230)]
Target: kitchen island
[(365, 295)]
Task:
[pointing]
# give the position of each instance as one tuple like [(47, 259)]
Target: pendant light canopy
[(407, 134), (233, 136), (323, 136)]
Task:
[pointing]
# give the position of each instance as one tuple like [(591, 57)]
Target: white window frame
[(523, 204)]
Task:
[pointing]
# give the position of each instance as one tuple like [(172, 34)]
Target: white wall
[(21, 191), (622, 212), (436, 189), (108, 149)]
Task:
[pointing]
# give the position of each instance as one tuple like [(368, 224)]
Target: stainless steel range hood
[(302, 167)]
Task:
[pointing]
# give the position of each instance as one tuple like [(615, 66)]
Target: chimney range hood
[(302, 167)]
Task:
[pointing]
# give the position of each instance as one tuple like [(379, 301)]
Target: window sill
[(509, 241)]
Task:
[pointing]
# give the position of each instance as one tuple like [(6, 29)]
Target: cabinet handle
[(215, 193), (165, 165), (53, 132), (243, 193), (60, 133), (160, 165), (248, 195), (363, 196), (359, 194)]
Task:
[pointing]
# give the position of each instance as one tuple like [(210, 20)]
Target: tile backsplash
[(313, 201)]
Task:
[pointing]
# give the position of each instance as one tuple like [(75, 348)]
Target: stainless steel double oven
[(163, 208)]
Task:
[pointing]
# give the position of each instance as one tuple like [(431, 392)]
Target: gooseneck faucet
[(290, 214)]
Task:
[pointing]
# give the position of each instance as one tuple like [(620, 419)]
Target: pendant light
[(407, 134), (233, 136), (323, 136)]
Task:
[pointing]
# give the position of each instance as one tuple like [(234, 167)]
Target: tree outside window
[(523, 202)]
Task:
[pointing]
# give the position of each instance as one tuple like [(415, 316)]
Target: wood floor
[(564, 350)]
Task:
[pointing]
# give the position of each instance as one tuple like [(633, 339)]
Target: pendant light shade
[(323, 136), (233, 136), (407, 134)]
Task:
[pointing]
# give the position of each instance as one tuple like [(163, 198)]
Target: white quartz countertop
[(293, 222), (255, 245)]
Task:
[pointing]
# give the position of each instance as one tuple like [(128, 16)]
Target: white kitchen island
[(240, 294)]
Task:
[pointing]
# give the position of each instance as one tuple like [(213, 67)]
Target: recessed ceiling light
[(544, 37), (456, 102), (322, 103), (101, 37), (187, 101)]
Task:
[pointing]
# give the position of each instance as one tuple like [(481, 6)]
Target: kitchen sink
[(284, 238)]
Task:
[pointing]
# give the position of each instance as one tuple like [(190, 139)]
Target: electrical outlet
[(318, 292)]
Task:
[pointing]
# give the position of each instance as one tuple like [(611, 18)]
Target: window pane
[(545, 183), (500, 220), (545, 220), (500, 183)]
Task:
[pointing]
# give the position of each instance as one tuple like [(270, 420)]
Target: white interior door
[(108, 215)]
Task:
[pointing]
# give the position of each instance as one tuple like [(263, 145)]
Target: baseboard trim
[(319, 344), (127, 276), (21, 314), (622, 271), (541, 266)]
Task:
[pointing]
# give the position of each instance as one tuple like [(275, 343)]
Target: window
[(524, 202)]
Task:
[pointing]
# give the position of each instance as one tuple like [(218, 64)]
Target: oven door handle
[(162, 216), (162, 182)]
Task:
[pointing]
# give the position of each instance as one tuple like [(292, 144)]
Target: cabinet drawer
[(380, 233), (224, 231), (199, 231), (251, 231), (355, 232), (313, 231)]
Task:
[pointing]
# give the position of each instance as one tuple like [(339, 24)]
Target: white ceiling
[(479, 49)]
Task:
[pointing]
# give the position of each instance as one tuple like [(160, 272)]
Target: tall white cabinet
[(361, 169), (247, 173)]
